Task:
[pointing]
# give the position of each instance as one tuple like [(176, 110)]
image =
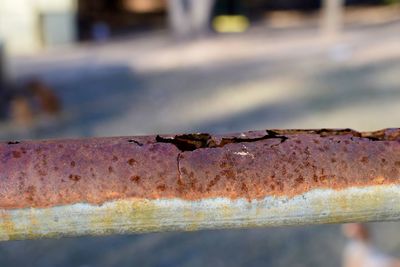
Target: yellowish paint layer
[(140, 215)]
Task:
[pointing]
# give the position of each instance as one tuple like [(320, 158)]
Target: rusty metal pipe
[(101, 186)]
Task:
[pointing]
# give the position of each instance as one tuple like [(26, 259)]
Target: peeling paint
[(140, 215)]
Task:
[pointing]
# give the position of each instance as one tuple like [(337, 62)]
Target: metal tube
[(114, 185)]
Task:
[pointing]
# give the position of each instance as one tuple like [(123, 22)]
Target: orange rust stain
[(379, 180)]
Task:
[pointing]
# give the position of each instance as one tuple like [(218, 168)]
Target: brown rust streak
[(250, 165)]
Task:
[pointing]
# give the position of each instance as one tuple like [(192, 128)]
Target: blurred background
[(78, 68)]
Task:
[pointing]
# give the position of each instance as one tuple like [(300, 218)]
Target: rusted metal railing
[(197, 181)]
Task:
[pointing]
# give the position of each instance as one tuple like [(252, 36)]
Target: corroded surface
[(252, 166), (197, 181)]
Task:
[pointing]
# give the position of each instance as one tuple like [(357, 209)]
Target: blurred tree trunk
[(190, 18), (332, 21)]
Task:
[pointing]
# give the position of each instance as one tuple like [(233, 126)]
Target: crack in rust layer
[(191, 142), (249, 165)]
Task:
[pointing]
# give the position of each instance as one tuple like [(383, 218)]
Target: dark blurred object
[(44, 96), (229, 7), (5, 97), (121, 17), (3, 89), (186, 18), (305, 5), (292, 4)]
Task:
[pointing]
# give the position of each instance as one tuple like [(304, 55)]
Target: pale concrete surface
[(260, 79)]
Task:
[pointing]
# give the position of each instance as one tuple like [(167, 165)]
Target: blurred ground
[(265, 78)]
